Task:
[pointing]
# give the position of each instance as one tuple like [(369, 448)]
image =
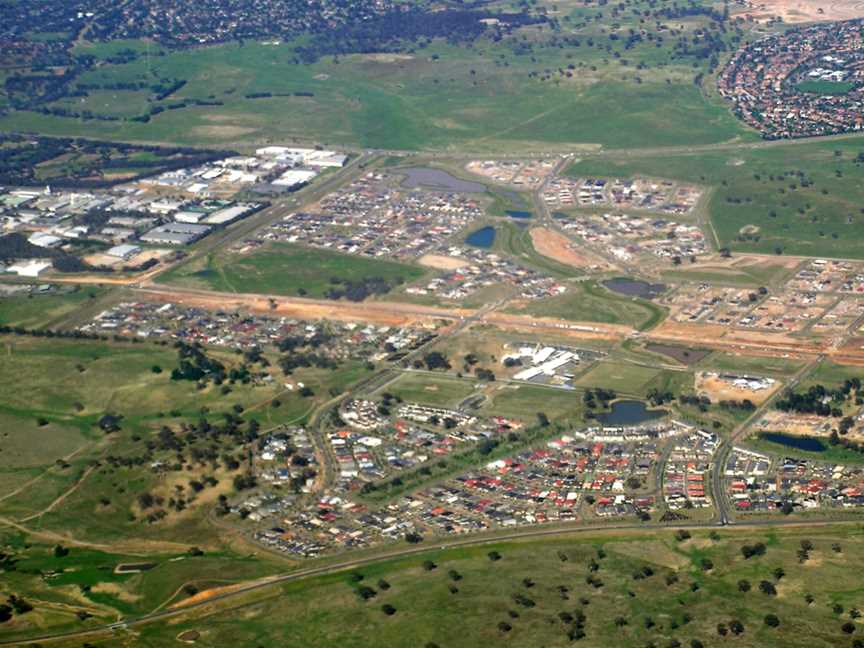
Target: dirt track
[(388, 313), (745, 342)]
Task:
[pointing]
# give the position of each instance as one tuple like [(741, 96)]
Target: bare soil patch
[(222, 131), (441, 262), (560, 248), (718, 389), (804, 11)]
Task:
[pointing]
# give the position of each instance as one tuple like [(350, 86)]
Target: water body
[(482, 238), (630, 412), (635, 287), (808, 444), (439, 180), (513, 213)]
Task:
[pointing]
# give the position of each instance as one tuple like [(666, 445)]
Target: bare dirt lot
[(388, 313), (754, 343), (560, 248), (804, 11), (801, 425), (441, 262), (718, 389)]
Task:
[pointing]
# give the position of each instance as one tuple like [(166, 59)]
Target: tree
[(494, 556), (743, 585), (848, 627), (736, 627), (60, 551), (771, 620), (503, 626), (428, 565), (388, 609), (365, 592), (413, 537), (767, 588)]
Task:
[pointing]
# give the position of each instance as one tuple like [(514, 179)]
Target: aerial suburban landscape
[(432, 323)]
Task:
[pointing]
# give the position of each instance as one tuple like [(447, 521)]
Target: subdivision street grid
[(667, 469)]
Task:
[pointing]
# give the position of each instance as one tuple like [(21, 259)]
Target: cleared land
[(803, 11), (560, 248)]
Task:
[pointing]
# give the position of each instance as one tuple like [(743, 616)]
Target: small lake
[(439, 180), (635, 287), (630, 412), (482, 238), (807, 444), (513, 213)]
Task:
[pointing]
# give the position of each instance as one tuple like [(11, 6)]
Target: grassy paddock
[(822, 218), (587, 301), (395, 103), (680, 600), (286, 269)]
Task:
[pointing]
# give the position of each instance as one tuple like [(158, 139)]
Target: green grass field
[(587, 301), (286, 269), (801, 200), (826, 87), (438, 391), (536, 594), (495, 97), (44, 311), (523, 402), (84, 580), (719, 361), (634, 380), (54, 393), (754, 274)]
